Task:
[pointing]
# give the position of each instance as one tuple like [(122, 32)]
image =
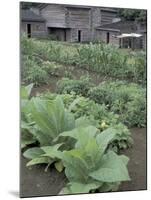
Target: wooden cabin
[(125, 27), (74, 23), (65, 22)]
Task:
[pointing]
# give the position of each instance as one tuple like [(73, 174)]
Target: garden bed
[(37, 182), (66, 93)]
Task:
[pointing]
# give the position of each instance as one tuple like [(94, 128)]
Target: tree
[(132, 14)]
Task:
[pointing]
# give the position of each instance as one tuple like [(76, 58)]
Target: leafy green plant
[(74, 145), (50, 119), (126, 99), (51, 68), (81, 86), (32, 72), (88, 112), (88, 164), (89, 167), (104, 59), (27, 137)]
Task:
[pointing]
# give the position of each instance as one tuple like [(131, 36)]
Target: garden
[(83, 118)]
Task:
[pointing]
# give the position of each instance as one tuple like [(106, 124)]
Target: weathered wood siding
[(54, 15), (107, 16), (38, 29), (78, 18), (102, 36), (85, 35)]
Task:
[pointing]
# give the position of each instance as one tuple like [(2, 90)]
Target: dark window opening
[(28, 30), (65, 35), (79, 35), (107, 37), (59, 34)]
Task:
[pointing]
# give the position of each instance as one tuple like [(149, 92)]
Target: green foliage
[(108, 60), (50, 119), (32, 72), (132, 14), (80, 86), (122, 139), (89, 165), (87, 112), (105, 59), (26, 91), (51, 68), (76, 145), (126, 99), (27, 136)]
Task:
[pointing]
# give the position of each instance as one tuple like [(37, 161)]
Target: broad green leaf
[(82, 135), (39, 160), (26, 90), (112, 169), (26, 139), (33, 153), (75, 165), (92, 154), (106, 187), (52, 151), (51, 117), (104, 138), (79, 188), (82, 122), (125, 159), (59, 166)]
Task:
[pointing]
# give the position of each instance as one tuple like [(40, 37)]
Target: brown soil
[(137, 164), (37, 182), (75, 73)]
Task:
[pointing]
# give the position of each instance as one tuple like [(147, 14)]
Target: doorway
[(79, 35), (28, 30), (107, 37)]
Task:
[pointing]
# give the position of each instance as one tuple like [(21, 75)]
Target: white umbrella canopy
[(124, 35)]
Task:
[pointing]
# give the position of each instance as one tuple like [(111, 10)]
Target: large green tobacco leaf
[(33, 153), (39, 160), (26, 139), (112, 169), (104, 138), (51, 117), (89, 163), (52, 151), (59, 166), (76, 187), (26, 90), (76, 168), (109, 187), (82, 135), (88, 152), (47, 154), (26, 136), (85, 121)]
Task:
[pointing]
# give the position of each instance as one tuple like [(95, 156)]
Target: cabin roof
[(122, 26), (28, 15)]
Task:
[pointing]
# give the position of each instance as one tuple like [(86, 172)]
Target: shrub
[(126, 99), (32, 73), (68, 86)]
